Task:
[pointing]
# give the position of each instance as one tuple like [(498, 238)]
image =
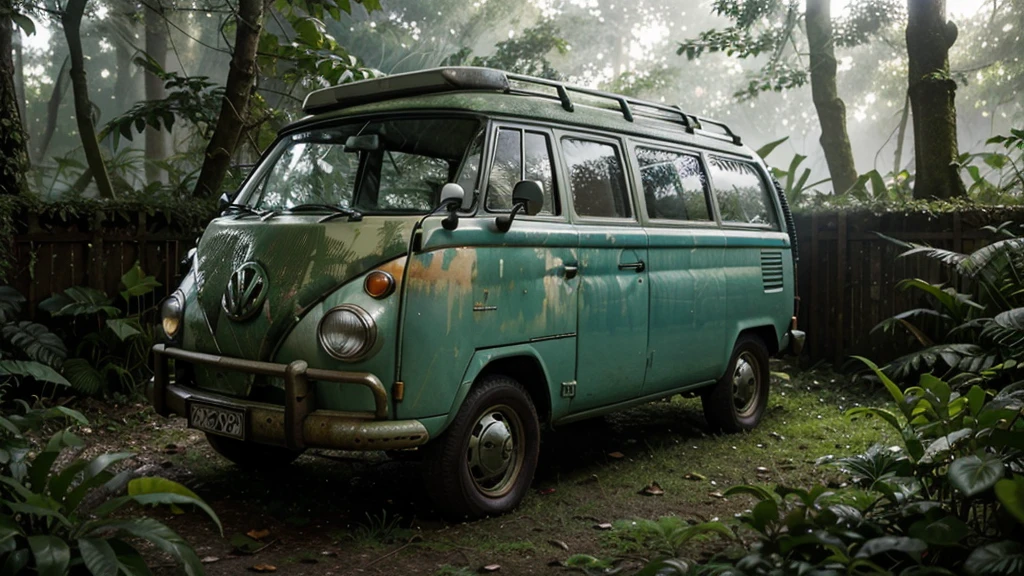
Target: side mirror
[(528, 197), (223, 202), (452, 195)]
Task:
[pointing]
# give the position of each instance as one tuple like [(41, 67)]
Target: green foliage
[(113, 351), (666, 537), (527, 53), (55, 520), (978, 334), (29, 349), (794, 182)]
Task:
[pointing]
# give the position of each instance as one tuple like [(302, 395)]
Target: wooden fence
[(51, 256), (847, 274)]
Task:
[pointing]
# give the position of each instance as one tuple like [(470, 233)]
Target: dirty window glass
[(741, 193), (597, 179), (389, 166), (674, 185), (509, 168), (407, 181)]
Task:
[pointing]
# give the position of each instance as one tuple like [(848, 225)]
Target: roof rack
[(472, 78)]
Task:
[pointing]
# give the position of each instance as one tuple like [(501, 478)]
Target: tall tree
[(835, 141), (932, 93), (13, 152), (156, 48), (71, 20), (234, 107)]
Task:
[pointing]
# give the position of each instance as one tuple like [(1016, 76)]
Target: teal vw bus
[(453, 259)]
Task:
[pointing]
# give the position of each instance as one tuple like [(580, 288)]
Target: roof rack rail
[(472, 78)]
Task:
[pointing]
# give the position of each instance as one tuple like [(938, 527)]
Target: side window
[(520, 155), (597, 179), (410, 181), (674, 185), (741, 193)]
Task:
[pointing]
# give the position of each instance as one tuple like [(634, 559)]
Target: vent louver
[(771, 270)]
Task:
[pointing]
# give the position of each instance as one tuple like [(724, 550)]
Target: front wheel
[(250, 455), (737, 401), (483, 464)]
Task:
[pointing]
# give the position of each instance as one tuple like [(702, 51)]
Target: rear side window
[(741, 193), (597, 179), (675, 185), (520, 155)]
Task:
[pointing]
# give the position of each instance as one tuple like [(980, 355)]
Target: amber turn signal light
[(379, 284)]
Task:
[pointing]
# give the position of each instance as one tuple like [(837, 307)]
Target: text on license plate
[(217, 419)]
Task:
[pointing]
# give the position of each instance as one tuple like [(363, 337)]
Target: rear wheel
[(737, 402), (483, 464), (252, 456)]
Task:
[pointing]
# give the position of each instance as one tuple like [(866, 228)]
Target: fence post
[(840, 288), (96, 268), (958, 235), (811, 300)]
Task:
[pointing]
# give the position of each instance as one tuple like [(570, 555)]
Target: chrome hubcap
[(745, 388), (494, 451)]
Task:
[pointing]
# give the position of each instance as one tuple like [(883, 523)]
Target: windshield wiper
[(338, 211), (244, 210)]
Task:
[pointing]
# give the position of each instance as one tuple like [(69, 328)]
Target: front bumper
[(297, 424)]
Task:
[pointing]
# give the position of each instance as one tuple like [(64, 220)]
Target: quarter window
[(675, 185), (513, 147), (741, 192), (597, 179)]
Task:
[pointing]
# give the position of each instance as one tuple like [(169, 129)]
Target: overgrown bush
[(977, 334), (29, 351), (63, 520)]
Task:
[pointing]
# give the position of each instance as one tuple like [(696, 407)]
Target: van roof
[(493, 92)]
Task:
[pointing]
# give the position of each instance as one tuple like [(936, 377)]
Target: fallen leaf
[(616, 455), (490, 568), (546, 491), (694, 476), (559, 544), (329, 553), (257, 534), (603, 526), (263, 568), (716, 494), (763, 470), (210, 560), (244, 544), (652, 490)]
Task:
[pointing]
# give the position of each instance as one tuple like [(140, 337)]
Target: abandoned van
[(452, 259)]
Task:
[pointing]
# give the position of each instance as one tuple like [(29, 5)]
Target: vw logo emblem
[(246, 291)]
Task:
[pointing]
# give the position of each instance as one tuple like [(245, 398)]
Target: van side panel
[(689, 313), (476, 288), (759, 284)]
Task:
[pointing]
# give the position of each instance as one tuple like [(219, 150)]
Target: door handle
[(637, 267), (571, 270)]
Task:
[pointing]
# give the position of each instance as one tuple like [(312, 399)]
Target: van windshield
[(376, 167)]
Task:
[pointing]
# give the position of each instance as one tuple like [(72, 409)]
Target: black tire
[(737, 401), (466, 483), (252, 456)]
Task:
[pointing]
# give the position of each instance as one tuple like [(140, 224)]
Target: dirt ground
[(336, 513)]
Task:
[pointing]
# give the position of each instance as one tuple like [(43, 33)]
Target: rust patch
[(396, 268)]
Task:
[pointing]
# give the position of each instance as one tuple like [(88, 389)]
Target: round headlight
[(348, 332), (171, 312)]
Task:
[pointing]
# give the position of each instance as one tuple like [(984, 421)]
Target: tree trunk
[(71, 20), (19, 76), (932, 93), (13, 153), (60, 88), (231, 121), (156, 48), (901, 136), (831, 111)]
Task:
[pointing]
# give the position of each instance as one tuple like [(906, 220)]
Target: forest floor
[(362, 513)]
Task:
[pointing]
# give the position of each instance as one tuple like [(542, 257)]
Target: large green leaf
[(972, 475), (124, 328), (1012, 319), (10, 304), (137, 283), (35, 370), (99, 557), (83, 377), (1011, 494), (94, 475), (912, 547), (162, 537), (52, 554), (946, 531), (79, 301), (1001, 558), (767, 149), (156, 490), (36, 341)]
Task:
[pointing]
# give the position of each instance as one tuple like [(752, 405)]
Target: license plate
[(215, 419)]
